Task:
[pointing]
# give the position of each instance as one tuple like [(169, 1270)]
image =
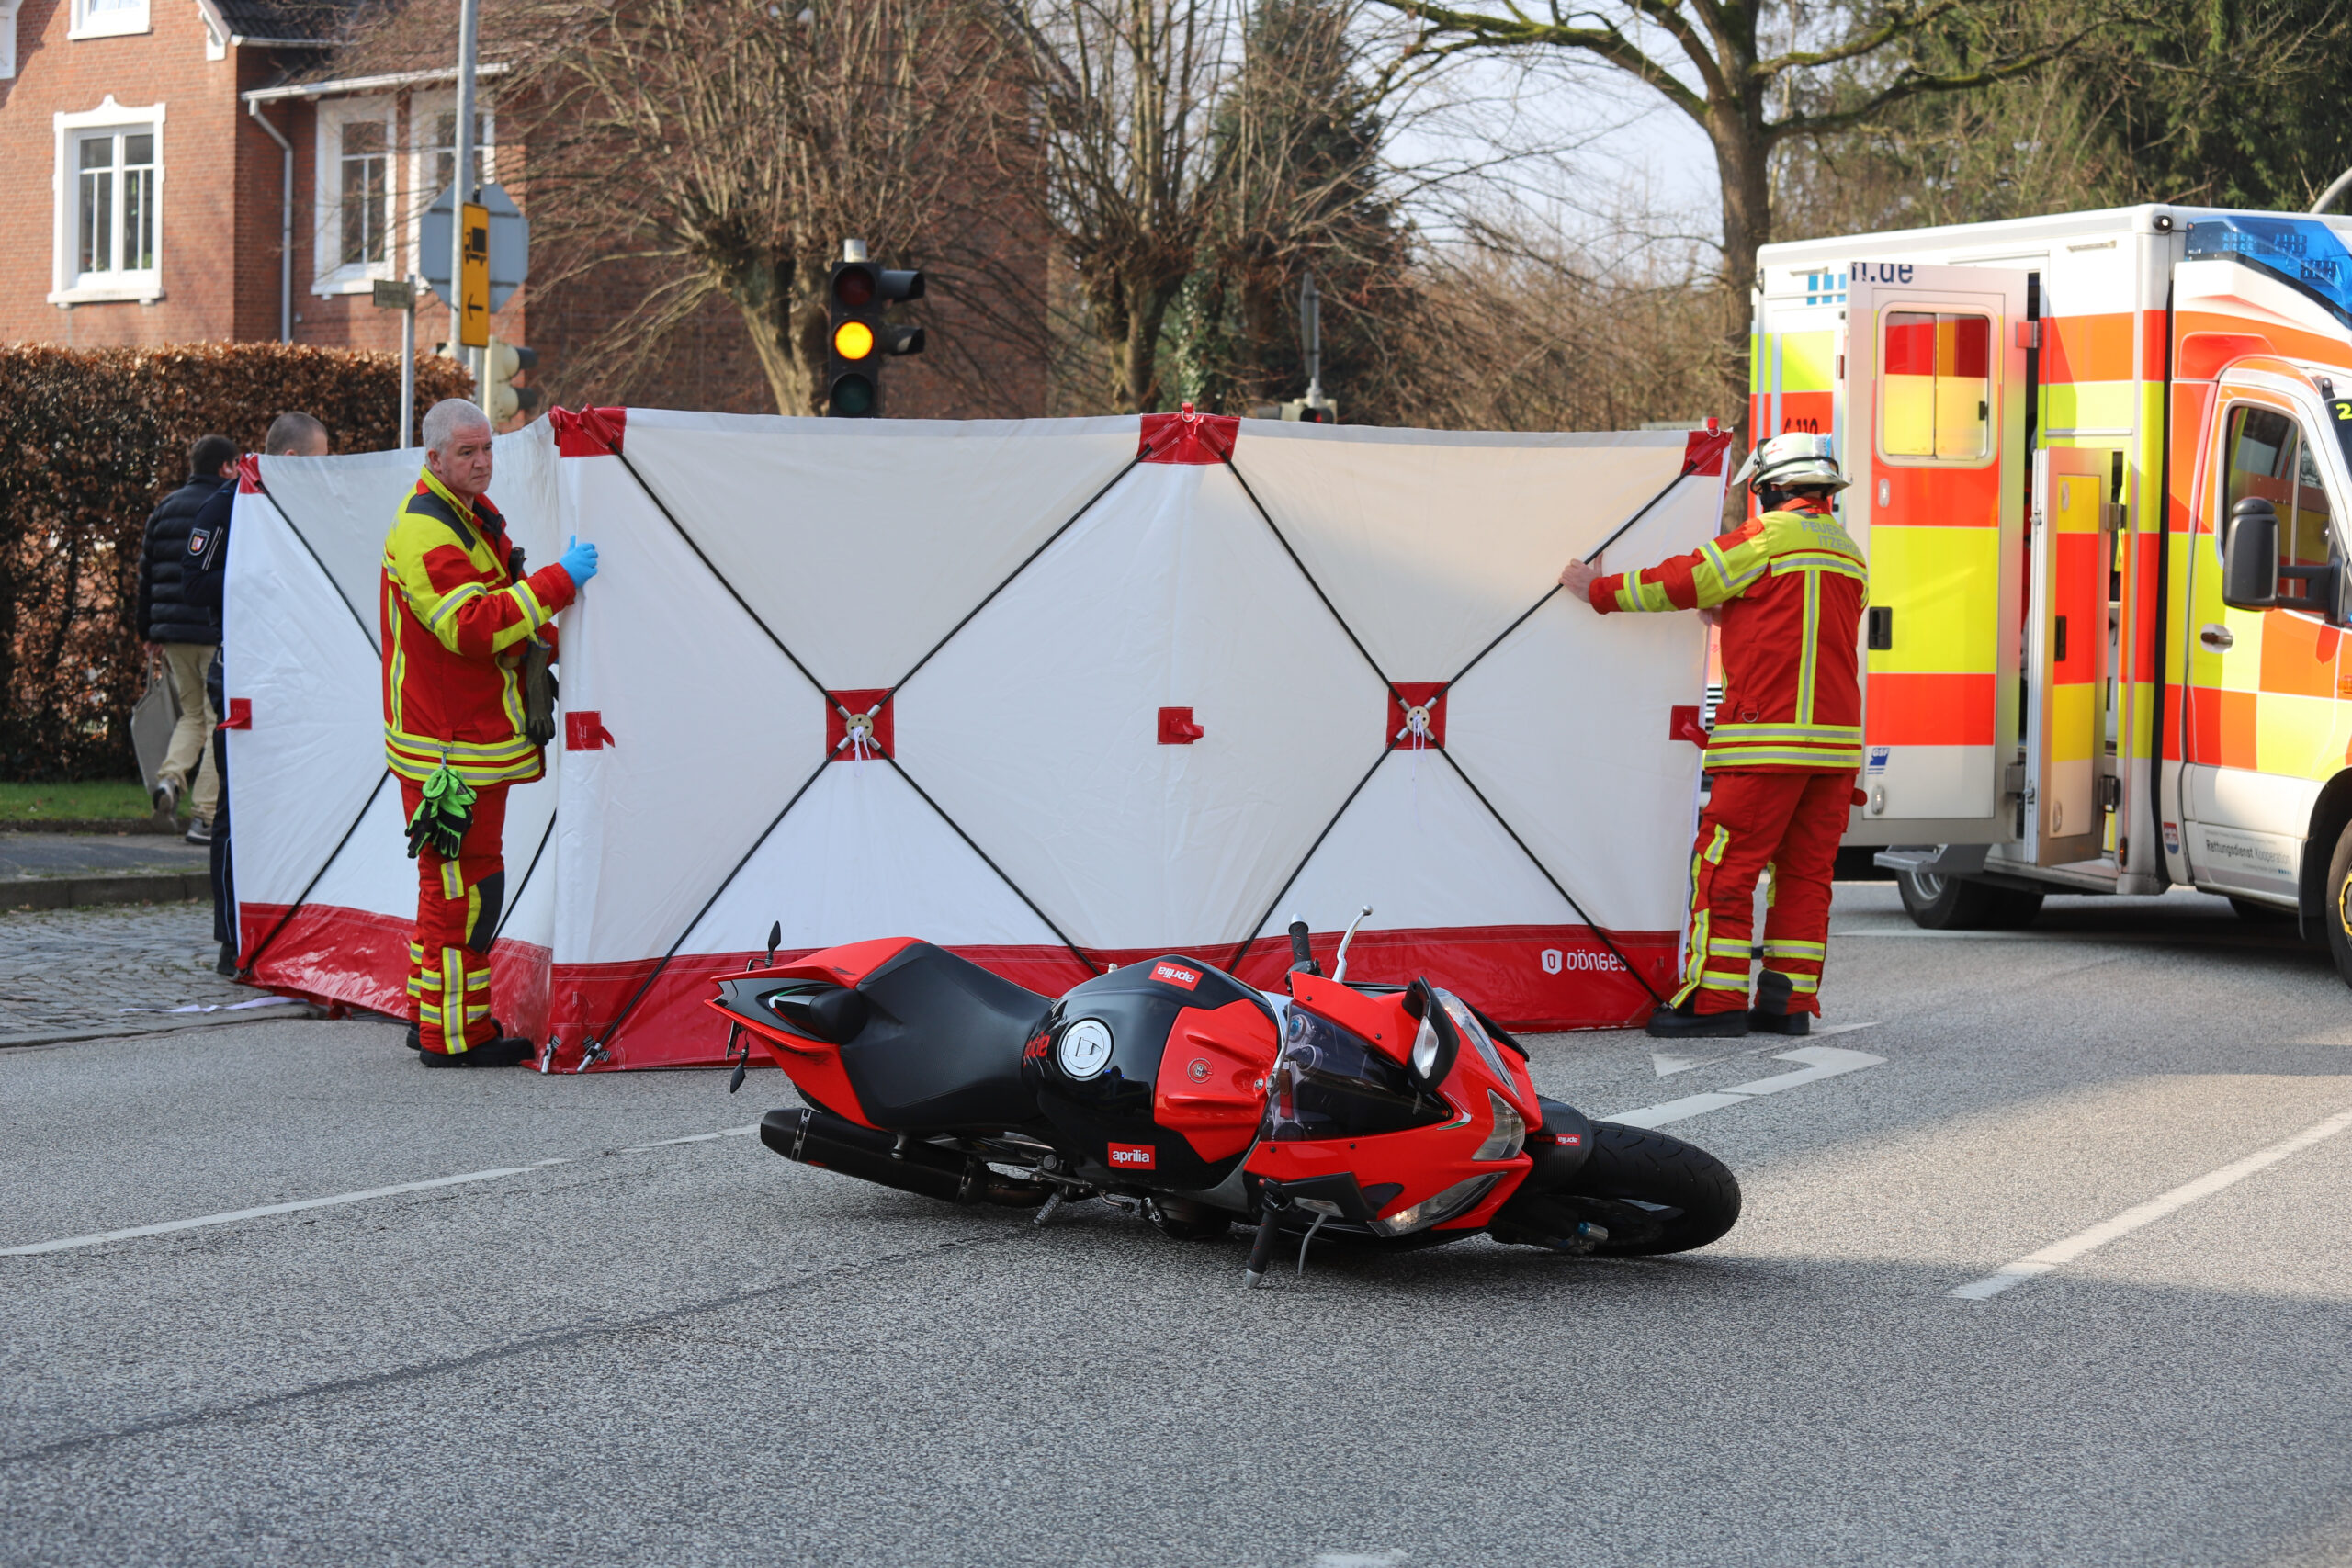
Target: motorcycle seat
[(941, 1049)]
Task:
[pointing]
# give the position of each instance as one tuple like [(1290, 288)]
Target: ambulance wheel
[(2339, 904), (1955, 904)]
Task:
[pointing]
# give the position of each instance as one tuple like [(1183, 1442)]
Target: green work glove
[(443, 816)]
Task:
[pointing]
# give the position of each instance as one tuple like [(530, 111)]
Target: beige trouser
[(192, 736)]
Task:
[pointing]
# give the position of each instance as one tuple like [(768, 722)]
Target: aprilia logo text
[(1175, 975), (1132, 1157)]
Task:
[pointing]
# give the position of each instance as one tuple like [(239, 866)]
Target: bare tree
[(1299, 140), (701, 150), (1124, 91), (1710, 60), (755, 135)]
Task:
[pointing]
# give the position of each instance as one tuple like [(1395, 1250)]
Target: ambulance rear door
[(2069, 631), (1932, 393)]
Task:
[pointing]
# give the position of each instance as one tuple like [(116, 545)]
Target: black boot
[(1683, 1024), (1771, 1015), (503, 1051), (227, 963), (413, 1039)]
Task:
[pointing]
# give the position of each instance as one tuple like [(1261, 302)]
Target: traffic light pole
[(408, 366), (462, 183)]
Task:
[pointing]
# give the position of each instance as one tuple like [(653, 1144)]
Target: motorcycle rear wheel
[(1653, 1193)]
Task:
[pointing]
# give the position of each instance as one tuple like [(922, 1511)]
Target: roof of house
[(287, 20)]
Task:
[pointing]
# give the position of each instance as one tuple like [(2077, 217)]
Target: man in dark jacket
[(188, 633), (290, 435)]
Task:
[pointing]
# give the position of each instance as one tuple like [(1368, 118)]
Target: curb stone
[(75, 892)]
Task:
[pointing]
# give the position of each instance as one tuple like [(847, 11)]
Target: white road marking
[(2060, 1253), (1821, 1062), (1665, 1064), (690, 1138), (235, 1215)]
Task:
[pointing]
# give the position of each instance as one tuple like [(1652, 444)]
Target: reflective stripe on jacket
[(454, 623), (1793, 587)]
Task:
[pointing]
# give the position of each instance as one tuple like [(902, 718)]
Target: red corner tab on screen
[(249, 474), (1188, 438), (588, 433), (1702, 451), (241, 713), (1683, 724), (585, 731)]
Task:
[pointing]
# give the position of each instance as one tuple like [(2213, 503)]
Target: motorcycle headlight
[(1510, 1132), (1458, 1199)]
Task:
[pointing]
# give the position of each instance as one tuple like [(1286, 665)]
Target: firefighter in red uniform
[(1788, 588), (458, 616)]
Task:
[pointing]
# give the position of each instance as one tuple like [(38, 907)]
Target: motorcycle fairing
[(1418, 1164), (1211, 1088), (1109, 1115)]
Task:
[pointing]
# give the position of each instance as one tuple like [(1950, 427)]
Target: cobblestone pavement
[(73, 971)]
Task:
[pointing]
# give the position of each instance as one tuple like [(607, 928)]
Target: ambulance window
[(2265, 454), (1936, 386)]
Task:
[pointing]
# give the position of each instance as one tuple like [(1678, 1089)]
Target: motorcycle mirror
[(775, 940), (1435, 1041)]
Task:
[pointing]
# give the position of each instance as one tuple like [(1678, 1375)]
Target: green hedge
[(89, 442)]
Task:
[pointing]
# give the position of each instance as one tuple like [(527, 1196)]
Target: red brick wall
[(221, 220), (202, 146)]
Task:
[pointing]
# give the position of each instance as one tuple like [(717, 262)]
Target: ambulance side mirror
[(2250, 555)]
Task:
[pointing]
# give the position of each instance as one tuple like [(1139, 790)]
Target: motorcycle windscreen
[(1933, 410)]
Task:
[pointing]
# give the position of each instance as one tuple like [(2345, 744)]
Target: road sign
[(510, 245), (473, 276), (395, 295)]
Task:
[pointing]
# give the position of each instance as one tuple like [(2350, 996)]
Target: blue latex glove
[(579, 561)]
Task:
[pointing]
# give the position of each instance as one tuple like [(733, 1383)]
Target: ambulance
[(2102, 470)]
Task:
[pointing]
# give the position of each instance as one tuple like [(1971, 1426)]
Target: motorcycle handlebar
[(1302, 956)]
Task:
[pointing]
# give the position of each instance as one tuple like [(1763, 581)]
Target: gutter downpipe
[(284, 228)]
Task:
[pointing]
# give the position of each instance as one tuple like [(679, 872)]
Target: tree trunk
[(762, 292), (1137, 362), (1743, 165)]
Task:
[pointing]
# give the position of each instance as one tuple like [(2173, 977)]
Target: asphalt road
[(697, 1353)]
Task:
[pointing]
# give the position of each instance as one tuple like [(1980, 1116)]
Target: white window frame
[(130, 19), (330, 275), (424, 110), (65, 193), (8, 38)]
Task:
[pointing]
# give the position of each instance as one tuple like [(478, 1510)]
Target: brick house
[(182, 169)]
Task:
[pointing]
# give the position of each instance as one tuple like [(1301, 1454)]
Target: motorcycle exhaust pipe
[(889, 1159)]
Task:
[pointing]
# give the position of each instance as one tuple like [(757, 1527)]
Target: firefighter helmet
[(1796, 461)]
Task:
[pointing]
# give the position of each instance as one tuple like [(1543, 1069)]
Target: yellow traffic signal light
[(858, 293)]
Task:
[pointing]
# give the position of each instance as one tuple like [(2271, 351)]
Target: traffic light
[(500, 398), (857, 296)]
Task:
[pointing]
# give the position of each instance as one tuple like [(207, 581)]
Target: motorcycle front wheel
[(1653, 1193)]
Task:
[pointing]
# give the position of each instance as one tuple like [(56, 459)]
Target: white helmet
[(1796, 461)]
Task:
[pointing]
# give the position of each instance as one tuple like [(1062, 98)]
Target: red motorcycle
[(1388, 1115)]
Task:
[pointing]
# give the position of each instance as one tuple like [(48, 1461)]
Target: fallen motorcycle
[(1386, 1115)]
